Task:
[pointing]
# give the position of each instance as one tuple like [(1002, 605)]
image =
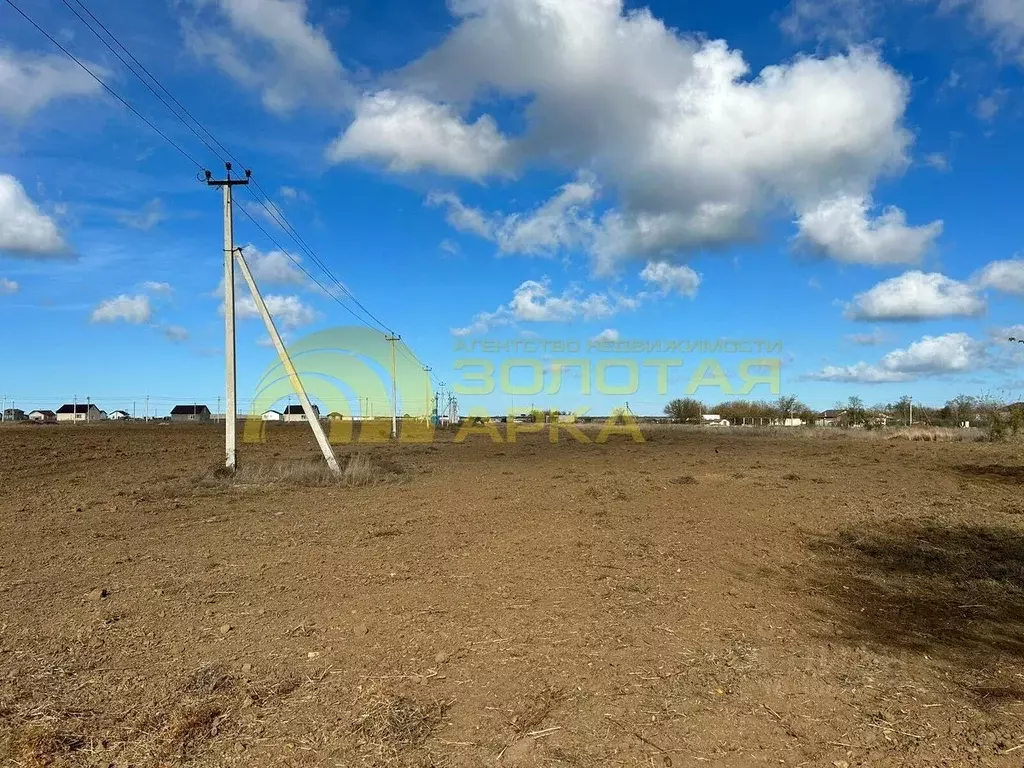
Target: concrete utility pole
[(426, 391), (911, 417), (394, 388), (231, 409), (286, 361)]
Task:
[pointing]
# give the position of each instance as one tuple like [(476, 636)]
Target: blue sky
[(838, 176)]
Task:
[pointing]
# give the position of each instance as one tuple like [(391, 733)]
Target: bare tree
[(685, 410)]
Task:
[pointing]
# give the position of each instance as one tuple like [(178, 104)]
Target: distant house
[(190, 413), (295, 413), (831, 418), (44, 417), (79, 412), (272, 416), (119, 416), (713, 420), (335, 416), (14, 414)]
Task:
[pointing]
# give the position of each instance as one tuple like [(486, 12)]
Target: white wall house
[(118, 415), (295, 413), (272, 416), (79, 412), (45, 417)]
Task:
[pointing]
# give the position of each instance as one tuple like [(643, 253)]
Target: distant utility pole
[(911, 417), (230, 410), (394, 388), (426, 391), (147, 407)]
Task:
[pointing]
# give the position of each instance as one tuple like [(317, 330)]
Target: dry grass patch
[(392, 729), (931, 434), (356, 470)]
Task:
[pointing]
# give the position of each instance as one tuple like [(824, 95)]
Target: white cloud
[(671, 278), (152, 286), (938, 160), (463, 217), (861, 373), (953, 352), (128, 309), (291, 193), (150, 215), (29, 82), (930, 356), (694, 150), (839, 21), (25, 230), (274, 267), (842, 229), (1006, 276), (607, 335), (270, 46), (174, 333), (563, 222), (534, 302), (988, 107), (7, 287), (449, 247), (917, 295), (1003, 20), (408, 133), (289, 312)]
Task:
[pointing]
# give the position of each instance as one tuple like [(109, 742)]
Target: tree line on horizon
[(851, 413)]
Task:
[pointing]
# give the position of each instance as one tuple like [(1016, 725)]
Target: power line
[(130, 69), (273, 211), (106, 87), (297, 263)]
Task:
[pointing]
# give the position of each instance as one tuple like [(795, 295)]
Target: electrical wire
[(277, 215), (106, 87)]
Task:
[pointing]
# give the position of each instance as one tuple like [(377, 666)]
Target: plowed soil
[(703, 598)]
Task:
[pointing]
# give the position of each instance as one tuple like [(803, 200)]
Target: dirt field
[(706, 598)]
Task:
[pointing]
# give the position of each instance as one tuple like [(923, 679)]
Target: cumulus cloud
[(694, 149), (930, 356), (670, 278), (269, 46), (607, 335), (29, 82), (535, 302), (289, 312), (1005, 276), (842, 228), (274, 267), (26, 231), (128, 309), (561, 222), (917, 295), (407, 132), (7, 287)]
